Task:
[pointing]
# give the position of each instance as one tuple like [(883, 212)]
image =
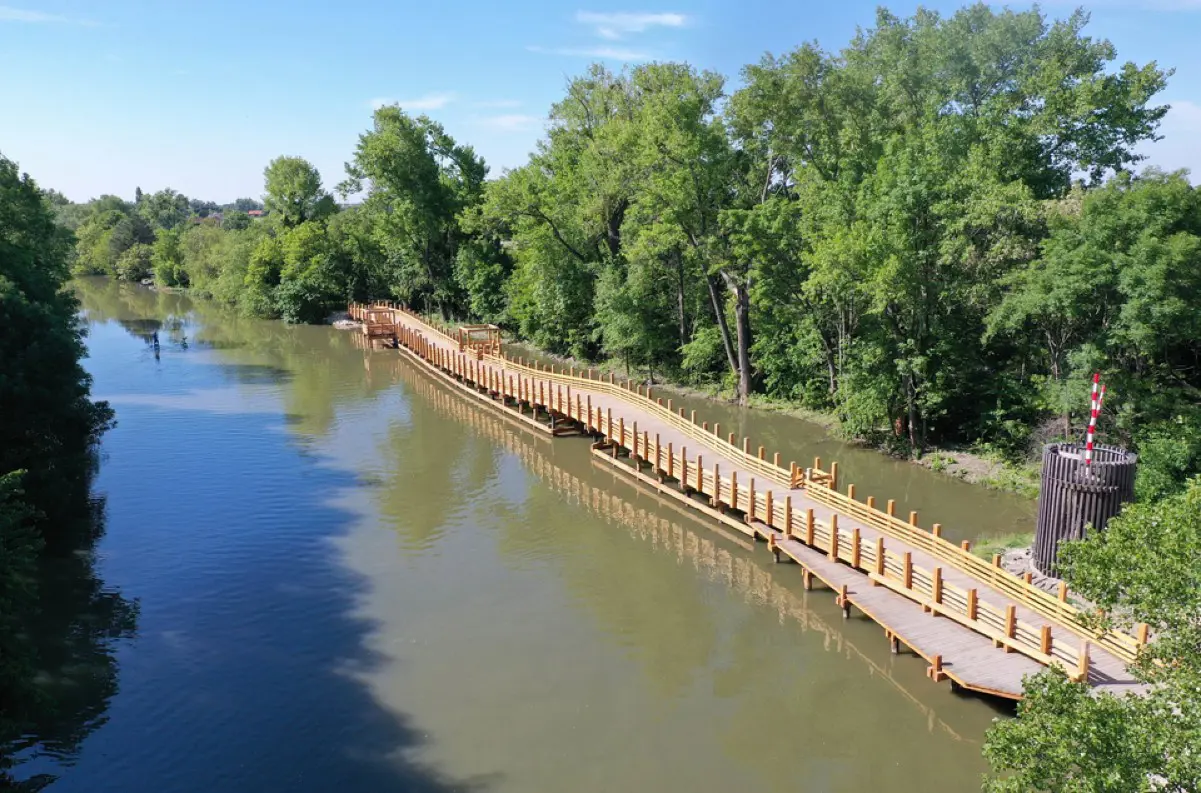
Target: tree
[(419, 180), (135, 263), (293, 192), (244, 205), (166, 259), (1144, 567), (235, 220), (165, 209)]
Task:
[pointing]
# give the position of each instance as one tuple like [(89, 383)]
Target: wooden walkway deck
[(978, 626)]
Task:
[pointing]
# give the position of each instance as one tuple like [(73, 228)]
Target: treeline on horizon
[(936, 234)]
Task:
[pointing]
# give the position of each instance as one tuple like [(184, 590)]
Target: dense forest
[(936, 234)]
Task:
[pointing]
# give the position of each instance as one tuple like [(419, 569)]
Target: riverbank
[(984, 468)]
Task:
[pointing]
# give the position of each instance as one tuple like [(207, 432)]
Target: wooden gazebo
[(484, 338)]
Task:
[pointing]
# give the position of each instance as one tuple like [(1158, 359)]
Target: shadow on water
[(241, 663), (72, 636)]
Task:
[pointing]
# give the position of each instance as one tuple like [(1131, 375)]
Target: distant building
[(256, 213)]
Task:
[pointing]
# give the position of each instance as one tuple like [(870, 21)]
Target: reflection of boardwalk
[(978, 626), (680, 539)]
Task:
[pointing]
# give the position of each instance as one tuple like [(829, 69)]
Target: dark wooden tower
[(1075, 495)]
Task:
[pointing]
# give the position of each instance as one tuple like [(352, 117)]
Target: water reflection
[(353, 577), (73, 636), (721, 557)]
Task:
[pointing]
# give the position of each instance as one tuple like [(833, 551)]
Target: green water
[(350, 578)]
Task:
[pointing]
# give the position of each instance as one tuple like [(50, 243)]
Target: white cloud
[(511, 122), (606, 53), (427, 102), (499, 103), (10, 14), (617, 25)]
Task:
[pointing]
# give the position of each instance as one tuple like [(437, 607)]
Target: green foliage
[(135, 263), (48, 425), (235, 220), (293, 192), (167, 259), (166, 209), (419, 181), (1144, 567)]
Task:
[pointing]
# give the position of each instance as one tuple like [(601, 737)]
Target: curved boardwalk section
[(978, 626)]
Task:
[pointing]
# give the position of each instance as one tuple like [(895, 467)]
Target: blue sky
[(100, 97)]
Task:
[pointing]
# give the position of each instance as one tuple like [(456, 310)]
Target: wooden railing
[(531, 384)]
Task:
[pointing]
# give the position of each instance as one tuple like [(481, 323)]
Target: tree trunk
[(742, 316), (911, 409), (680, 306), (720, 314)]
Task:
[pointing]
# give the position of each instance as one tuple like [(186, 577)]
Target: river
[(348, 577)]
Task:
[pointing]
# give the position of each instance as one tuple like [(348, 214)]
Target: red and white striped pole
[(1097, 398)]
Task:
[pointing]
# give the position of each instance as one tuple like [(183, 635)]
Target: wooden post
[(716, 484), (912, 518), (762, 453), (700, 474), (730, 439), (704, 425), (590, 426), (750, 512), (1044, 644), (809, 528), (734, 489), (1143, 633), (1082, 663), (746, 446), (935, 671), (717, 429), (973, 604), (996, 560), (775, 460), (908, 561), (671, 460), (833, 553), (634, 453), (1063, 592), (892, 508), (770, 517), (609, 422), (834, 476), (851, 492), (855, 551), (788, 517), (646, 455), (817, 463), (881, 560), (936, 529), (693, 419), (621, 423), (936, 585), (1011, 624), (807, 580), (844, 601), (684, 469), (966, 546), (871, 502)]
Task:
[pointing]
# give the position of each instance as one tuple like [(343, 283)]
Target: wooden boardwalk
[(978, 626)]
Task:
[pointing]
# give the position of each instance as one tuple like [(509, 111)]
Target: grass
[(986, 549)]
